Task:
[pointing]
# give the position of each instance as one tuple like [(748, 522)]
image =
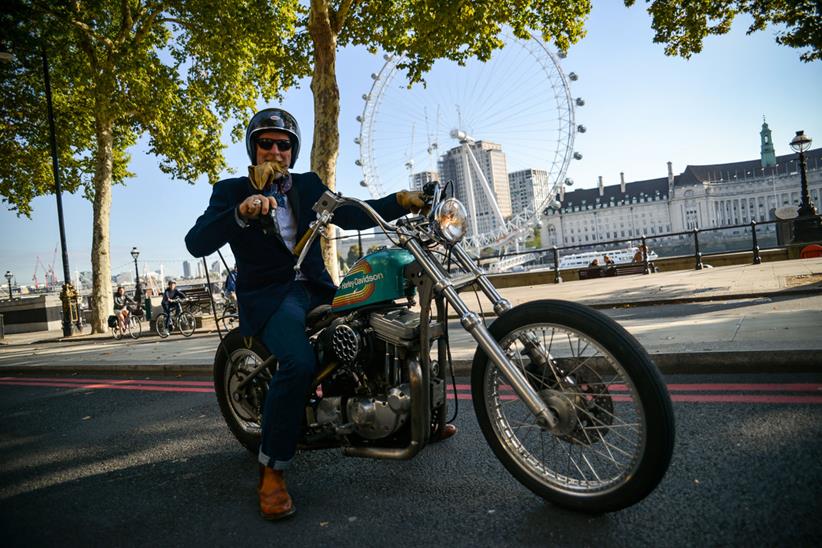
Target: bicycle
[(182, 321), (229, 318), (133, 326)]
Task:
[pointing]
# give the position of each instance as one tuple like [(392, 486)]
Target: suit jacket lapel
[(294, 200)]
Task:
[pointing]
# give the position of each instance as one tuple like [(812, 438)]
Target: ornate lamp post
[(9, 277), (806, 227), (137, 289)]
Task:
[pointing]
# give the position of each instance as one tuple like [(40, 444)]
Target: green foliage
[(175, 70), (682, 25), (427, 30)]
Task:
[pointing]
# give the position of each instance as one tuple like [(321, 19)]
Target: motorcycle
[(569, 402)]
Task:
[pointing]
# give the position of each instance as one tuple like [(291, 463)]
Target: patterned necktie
[(280, 188)]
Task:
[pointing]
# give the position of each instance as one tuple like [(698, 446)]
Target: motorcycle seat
[(317, 315)]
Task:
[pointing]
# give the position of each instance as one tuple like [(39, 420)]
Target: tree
[(423, 31), (682, 25), (172, 69)]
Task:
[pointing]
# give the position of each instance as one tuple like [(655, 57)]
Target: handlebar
[(325, 208)]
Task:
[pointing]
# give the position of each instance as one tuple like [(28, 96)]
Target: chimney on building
[(622, 182), (601, 187)]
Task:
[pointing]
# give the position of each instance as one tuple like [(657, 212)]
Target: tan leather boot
[(275, 502)]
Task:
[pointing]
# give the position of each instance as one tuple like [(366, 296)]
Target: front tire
[(242, 408), (616, 420), (187, 324), (135, 327)]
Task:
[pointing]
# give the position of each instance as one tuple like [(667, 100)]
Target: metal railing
[(750, 229)]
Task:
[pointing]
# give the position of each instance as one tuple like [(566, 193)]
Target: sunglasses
[(282, 144)]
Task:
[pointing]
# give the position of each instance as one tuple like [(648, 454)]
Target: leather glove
[(413, 201), (265, 174)]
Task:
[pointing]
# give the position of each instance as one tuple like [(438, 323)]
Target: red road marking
[(728, 387), (207, 387), (21, 382), (109, 381)]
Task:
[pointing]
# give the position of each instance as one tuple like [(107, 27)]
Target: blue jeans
[(167, 306), (284, 408)]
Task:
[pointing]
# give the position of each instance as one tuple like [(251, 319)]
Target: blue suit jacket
[(265, 266)]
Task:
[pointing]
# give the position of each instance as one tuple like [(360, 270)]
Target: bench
[(199, 300), (613, 270)]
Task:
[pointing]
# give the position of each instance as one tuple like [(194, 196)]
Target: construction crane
[(51, 278)]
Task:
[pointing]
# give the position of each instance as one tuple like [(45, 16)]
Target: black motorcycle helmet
[(272, 119)]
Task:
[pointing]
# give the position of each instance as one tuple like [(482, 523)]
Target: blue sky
[(642, 109)]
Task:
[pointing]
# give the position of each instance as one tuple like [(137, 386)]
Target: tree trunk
[(102, 301), (325, 149)]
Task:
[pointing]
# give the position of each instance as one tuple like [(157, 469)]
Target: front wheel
[(237, 358), (615, 431), (135, 327), (186, 323)]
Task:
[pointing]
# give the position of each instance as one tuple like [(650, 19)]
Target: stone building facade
[(701, 196)]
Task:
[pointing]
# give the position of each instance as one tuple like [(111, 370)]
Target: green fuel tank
[(375, 278)]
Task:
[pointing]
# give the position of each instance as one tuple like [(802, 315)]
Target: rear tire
[(243, 412), (617, 421)]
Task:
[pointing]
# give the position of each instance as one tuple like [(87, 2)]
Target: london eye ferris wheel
[(518, 102)]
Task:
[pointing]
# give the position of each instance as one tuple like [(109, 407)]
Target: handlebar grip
[(301, 244)]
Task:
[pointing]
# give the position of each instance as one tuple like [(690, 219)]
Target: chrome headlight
[(451, 220)]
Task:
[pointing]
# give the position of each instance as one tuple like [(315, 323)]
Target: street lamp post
[(806, 227), (9, 277), (137, 289), (68, 295)]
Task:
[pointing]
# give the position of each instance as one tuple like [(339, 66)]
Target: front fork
[(473, 324)]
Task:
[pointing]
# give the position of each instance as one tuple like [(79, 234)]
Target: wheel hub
[(562, 408)]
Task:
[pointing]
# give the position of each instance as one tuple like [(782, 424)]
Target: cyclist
[(230, 288), (172, 297), (121, 303)]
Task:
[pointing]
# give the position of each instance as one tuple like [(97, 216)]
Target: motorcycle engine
[(367, 393)]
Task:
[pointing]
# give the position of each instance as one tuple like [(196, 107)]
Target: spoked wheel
[(160, 325), (135, 327), (116, 333), (229, 321), (615, 435), (186, 323), (237, 358)]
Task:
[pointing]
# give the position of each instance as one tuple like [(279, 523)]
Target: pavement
[(741, 318)]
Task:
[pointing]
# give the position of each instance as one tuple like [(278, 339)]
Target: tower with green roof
[(766, 153)]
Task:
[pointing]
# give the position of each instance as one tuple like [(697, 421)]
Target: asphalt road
[(149, 461)]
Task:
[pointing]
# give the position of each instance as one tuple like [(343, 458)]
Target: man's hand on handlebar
[(414, 201), (255, 206)]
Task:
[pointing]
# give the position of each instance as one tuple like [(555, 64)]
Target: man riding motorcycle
[(261, 217)]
